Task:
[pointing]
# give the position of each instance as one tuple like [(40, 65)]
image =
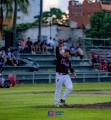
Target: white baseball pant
[(60, 80), (2, 81)]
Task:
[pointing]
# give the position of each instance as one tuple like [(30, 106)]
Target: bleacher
[(46, 74)]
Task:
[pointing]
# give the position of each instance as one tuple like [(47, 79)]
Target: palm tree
[(1, 18), (23, 5), (40, 19), (8, 5)]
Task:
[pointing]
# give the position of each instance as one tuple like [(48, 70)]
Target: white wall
[(34, 10), (33, 32)]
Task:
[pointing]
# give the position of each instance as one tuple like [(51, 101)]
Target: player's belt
[(62, 73)]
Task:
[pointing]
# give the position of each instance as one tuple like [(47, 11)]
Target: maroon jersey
[(62, 64)]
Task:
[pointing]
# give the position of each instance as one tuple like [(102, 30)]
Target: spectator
[(73, 49), (22, 45), (55, 44), (10, 58), (2, 62), (16, 56), (80, 53), (37, 48), (43, 47), (3, 55), (50, 42), (29, 45), (95, 61), (109, 69)]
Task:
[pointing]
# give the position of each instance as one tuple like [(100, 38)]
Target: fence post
[(50, 74), (33, 77), (83, 77), (98, 77)]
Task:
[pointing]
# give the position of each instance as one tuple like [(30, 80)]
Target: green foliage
[(58, 17), (100, 25), (21, 27)]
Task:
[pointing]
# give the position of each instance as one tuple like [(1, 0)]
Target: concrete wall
[(46, 32), (64, 33), (76, 34), (55, 32)]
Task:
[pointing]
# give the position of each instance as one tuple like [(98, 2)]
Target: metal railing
[(33, 77)]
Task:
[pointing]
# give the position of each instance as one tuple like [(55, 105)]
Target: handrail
[(50, 77)]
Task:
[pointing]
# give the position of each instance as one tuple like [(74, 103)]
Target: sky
[(62, 4)]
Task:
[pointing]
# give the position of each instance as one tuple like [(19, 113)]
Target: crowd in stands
[(75, 50), (99, 60), (38, 47)]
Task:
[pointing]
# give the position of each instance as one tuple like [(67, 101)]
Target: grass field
[(22, 103)]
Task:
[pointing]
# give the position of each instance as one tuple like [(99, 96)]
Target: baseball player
[(62, 66)]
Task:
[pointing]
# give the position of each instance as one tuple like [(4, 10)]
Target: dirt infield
[(106, 105)]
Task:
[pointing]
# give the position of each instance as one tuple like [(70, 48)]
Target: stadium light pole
[(40, 20)]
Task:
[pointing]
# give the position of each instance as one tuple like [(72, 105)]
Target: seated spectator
[(33, 51), (16, 56), (73, 49), (96, 62), (50, 42), (37, 48), (22, 45), (10, 58), (29, 45), (80, 53), (43, 47), (2, 62), (3, 55), (109, 69)]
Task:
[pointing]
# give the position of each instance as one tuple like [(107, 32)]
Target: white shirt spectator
[(79, 51), (50, 42)]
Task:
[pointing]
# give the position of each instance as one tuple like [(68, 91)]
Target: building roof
[(106, 7)]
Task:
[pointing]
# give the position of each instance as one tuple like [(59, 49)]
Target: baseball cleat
[(62, 101), (57, 105)]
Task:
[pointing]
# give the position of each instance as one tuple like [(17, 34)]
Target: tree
[(100, 25), (1, 18), (58, 17), (40, 19), (9, 10), (23, 5)]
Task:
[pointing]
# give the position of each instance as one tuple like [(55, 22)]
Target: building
[(79, 14), (33, 10)]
